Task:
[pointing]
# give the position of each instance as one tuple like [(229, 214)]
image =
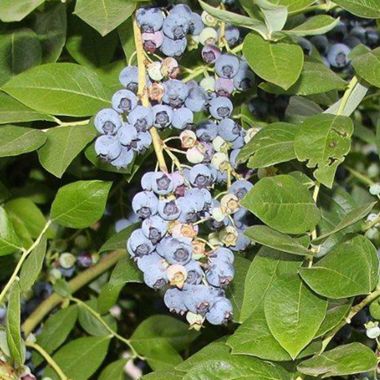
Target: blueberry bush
[(189, 190)]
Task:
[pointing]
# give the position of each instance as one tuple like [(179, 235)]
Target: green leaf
[(80, 204), (163, 375), (159, 338), (361, 8), (114, 371), (267, 265), (80, 358), (351, 103), (277, 62), (124, 272), (32, 266), (367, 66), (27, 216), (271, 145), (236, 19), (293, 313), (315, 78), (336, 312), (16, 10), (117, 241), (350, 218), (283, 203), (315, 25), (19, 51), (106, 15), (235, 291), (50, 26), (344, 360), (275, 16), (324, 140), (19, 140), (15, 342), (9, 241), (60, 89), (92, 325), (237, 367), (294, 5), (87, 47), (12, 111), (109, 74), (63, 144), (276, 240), (349, 269), (62, 287), (56, 330), (254, 338)]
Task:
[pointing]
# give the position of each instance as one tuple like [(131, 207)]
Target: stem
[(25, 254), (354, 310), (114, 334), (343, 102), (195, 73), (359, 176), (142, 92), (48, 359), (75, 284)]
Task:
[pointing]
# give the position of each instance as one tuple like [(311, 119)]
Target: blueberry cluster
[(174, 209), (336, 45)]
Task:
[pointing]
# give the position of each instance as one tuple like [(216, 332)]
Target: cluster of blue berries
[(336, 45), (192, 271)]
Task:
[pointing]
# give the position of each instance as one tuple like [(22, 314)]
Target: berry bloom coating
[(139, 245), (173, 48), (337, 55), (227, 65), (149, 19), (107, 147), (221, 107), (154, 228), (141, 118), (107, 121), (182, 117), (162, 115), (162, 184), (124, 101), (220, 312), (126, 134), (175, 250), (129, 78), (145, 204)]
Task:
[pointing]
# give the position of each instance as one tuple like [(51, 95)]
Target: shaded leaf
[(9, 241), (16, 10), (361, 8), (315, 25)]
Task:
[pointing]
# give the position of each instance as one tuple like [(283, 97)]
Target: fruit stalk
[(142, 92)]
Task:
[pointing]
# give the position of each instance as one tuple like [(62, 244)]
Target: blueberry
[(138, 244), (197, 99), (337, 55), (222, 254), (175, 250), (182, 118), (228, 130), (149, 19), (107, 121), (173, 48), (145, 204), (200, 176), (220, 273), (162, 183), (146, 180), (198, 298), (142, 142), (321, 43), (306, 45), (107, 147), (141, 118), (210, 53), (227, 65), (224, 87), (146, 262), (124, 101), (176, 26), (182, 10), (221, 107), (231, 35), (242, 242), (194, 273), (125, 158), (154, 228), (233, 158), (173, 300), (200, 198), (169, 209), (240, 188), (129, 78), (196, 24), (244, 79), (239, 142), (152, 41), (162, 115), (189, 210), (175, 93), (126, 134), (156, 278), (220, 312)]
